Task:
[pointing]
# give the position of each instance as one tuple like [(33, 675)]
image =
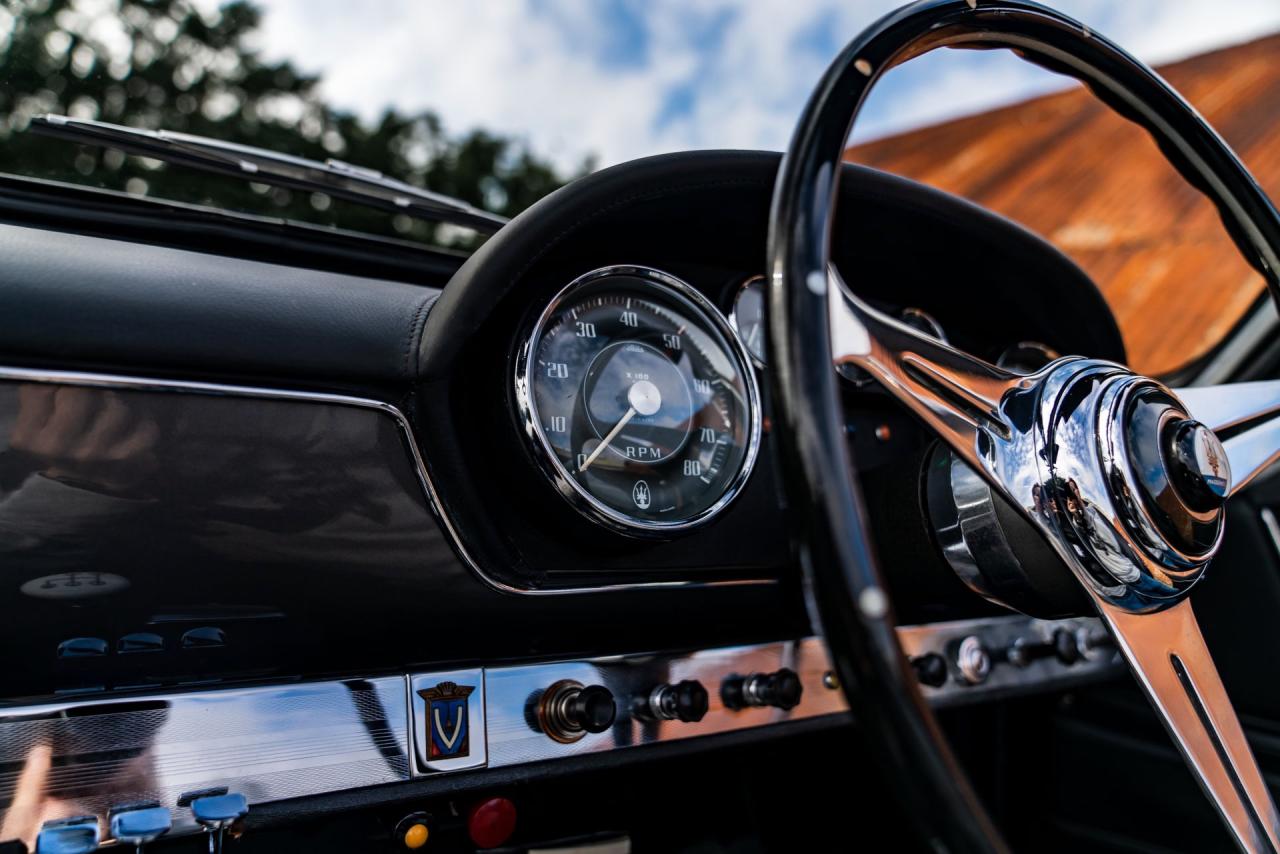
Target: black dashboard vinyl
[(702, 217), (73, 301)]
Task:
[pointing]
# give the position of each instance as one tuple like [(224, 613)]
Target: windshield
[(196, 68), (498, 103)]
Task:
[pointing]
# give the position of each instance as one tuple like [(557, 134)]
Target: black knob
[(691, 701), (591, 709), (1066, 647), (685, 701), (931, 669), (781, 689)]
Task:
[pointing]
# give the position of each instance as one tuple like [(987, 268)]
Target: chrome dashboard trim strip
[(98, 380), (294, 740), (269, 743), (512, 741), (1001, 639)]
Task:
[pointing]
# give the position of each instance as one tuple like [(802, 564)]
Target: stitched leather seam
[(412, 341)]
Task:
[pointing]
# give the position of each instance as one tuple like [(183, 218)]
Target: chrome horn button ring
[(1152, 431), (1090, 454), (1103, 487)]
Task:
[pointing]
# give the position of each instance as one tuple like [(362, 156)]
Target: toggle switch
[(78, 835), (215, 810), (139, 824)]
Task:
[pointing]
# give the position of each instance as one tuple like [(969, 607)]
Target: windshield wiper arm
[(333, 177)]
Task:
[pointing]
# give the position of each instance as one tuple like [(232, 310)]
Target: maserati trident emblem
[(448, 713), (1200, 465)]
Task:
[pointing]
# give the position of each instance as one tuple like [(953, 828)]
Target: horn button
[(1104, 475), (1179, 473)]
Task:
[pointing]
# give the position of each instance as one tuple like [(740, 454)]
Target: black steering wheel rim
[(847, 593)]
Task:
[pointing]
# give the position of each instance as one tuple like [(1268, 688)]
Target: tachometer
[(639, 400)]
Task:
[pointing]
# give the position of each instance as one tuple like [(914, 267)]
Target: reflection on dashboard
[(640, 400)]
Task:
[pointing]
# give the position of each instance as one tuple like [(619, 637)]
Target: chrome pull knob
[(781, 689), (139, 824), (215, 811), (78, 835), (569, 710), (685, 701)]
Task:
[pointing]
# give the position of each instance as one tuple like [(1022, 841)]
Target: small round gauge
[(747, 316), (922, 321), (919, 320), (639, 400)]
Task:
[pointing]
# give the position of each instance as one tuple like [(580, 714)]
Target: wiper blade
[(356, 184)]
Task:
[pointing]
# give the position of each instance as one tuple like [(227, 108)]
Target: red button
[(491, 822)]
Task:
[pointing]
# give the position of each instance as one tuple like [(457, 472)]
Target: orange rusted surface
[(1096, 186)]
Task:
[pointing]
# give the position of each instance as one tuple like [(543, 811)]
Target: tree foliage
[(165, 64)]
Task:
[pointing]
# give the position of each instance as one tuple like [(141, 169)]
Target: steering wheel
[(1123, 478)]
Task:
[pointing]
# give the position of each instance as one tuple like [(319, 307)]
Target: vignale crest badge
[(448, 720)]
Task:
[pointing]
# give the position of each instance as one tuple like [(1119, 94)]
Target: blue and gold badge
[(448, 715)]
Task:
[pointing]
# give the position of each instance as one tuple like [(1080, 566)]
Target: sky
[(619, 79)]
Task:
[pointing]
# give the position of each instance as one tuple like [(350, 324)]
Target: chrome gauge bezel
[(738, 289), (577, 495)]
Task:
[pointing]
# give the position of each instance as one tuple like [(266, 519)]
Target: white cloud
[(538, 70)]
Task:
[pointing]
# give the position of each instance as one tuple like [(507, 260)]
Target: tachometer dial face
[(639, 400)]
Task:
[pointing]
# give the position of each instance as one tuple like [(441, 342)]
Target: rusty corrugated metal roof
[(1096, 186)]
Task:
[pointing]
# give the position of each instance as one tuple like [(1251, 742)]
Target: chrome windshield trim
[(366, 187)]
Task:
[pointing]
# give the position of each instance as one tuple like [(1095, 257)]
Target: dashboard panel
[(315, 525), (365, 528), (160, 534), (701, 219)]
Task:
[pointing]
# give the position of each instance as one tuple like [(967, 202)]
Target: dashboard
[(543, 500)]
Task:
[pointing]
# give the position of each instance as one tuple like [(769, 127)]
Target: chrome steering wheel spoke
[(959, 396), (1123, 478), (1169, 657), (1246, 419), (1127, 487)]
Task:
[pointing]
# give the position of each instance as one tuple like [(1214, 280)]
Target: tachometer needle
[(645, 399), (604, 443)]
